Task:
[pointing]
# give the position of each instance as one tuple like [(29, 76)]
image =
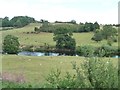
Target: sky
[(102, 11)]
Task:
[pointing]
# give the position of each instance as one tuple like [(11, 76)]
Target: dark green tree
[(81, 28), (63, 38), (21, 21), (88, 27), (18, 24), (73, 21), (97, 36), (11, 44), (5, 22), (96, 26), (108, 31)]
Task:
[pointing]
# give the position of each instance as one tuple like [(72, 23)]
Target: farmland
[(41, 38), (35, 69)]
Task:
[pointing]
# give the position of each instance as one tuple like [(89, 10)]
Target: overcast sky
[(102, 11)]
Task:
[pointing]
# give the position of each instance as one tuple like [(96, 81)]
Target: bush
[(106, 50), (85, 50), (11, 44), (92, 73), (97, 36)]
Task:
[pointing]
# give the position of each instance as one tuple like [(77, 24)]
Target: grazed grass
[(35, 69), (41, 38)]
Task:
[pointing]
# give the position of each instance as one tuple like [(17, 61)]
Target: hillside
[(41, 38)]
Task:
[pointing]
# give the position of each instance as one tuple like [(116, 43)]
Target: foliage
[(17, 21), (73, 21), (81, 28), (102, 74), (97, 36), (72, 26), (86, 50), (92, 73), (64, 40), (47, 27), (110, 41), (88, 27), (11, 44), (96, 26), (101, 51), (36, 29), (6, 22), (106, 50), (109, 33)]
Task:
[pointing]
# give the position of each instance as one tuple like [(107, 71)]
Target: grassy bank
[(35, 69)]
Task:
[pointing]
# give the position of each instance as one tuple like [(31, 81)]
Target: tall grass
[(92, 73)]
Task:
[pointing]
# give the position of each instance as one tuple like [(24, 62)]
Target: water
[(116, 56), (26, 53)]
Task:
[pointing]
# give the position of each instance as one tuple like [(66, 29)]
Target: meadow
[(41, 38), (36, 69)]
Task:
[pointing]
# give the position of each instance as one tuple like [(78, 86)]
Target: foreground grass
[(35, 69), (41, 38)]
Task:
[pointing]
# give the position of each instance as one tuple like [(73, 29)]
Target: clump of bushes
[(86, 50), (102, 51), (106, 50), (92, 73)]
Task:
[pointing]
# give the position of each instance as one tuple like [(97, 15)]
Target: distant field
[(40, 39), (36, 68)]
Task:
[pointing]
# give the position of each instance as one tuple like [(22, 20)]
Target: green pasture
[(41, 38), (35, 69)]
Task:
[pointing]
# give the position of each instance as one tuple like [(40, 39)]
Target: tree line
[(17, 21), (108, 33), (49, 27)]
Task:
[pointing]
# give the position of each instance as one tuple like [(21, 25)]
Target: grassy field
[(41, 38), (35, 69)]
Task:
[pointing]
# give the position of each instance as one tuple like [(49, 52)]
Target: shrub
[(11, 44), (85, 50), (92, 73), (97, 36), (36, 29), (106, 50)]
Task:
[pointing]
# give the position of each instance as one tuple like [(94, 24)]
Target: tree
[(81, 28), (18, 24), (85, 50), (21, 21), (73, 21), (5, 22), (109, 31), (11, 44), (96, 26), (88, 27), (63, 38), (97, 36)]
